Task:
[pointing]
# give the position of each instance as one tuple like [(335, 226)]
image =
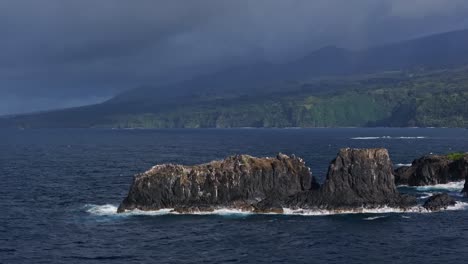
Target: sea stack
[(237, 182), (357, 178), (433, 169)]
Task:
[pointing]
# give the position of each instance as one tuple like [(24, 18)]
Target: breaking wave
[(111, 210), (398, 165), (451, 186), (388, 137)]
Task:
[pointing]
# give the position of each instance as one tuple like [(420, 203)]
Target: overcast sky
[(60, 53)]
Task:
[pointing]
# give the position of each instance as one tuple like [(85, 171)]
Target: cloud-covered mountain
[(326, 70)]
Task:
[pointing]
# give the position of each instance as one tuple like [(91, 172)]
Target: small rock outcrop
[(240, 182), (438, 202), (356, 178), (431, 170)]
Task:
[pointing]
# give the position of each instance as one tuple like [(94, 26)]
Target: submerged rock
[(431, 170), (356, 178), (438, 202), (235, 182)]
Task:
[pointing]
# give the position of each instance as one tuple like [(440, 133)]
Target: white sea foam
[(374, 217), (426, 195), (398, 165), (111, 210), (106, 209), (381, 210), (451, 186), (388, 137)]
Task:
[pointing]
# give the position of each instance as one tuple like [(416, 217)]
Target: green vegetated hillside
[(420, 82), (437, 99)]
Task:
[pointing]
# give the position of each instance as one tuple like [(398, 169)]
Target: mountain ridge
[(327, 70)]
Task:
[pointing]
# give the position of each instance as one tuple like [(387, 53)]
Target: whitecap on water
[(106, 209), (387, 137), (374, 217), (398, 165), (451, 186)]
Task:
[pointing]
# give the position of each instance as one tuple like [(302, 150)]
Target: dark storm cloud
[(58, 53)]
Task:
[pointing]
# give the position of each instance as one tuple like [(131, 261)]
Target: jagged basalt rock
[(269, 205), (465, 189), (438, 202), (236, 182), (402, 175), (356, 178), (431, 170)]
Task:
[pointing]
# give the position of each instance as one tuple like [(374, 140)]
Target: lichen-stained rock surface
[(239, 182), (356, 178), (432, 170)]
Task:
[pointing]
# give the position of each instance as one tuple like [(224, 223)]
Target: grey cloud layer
[(72, 50)]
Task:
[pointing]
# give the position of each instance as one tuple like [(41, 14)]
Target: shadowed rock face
[(465, 189), (238, 182), (431, 170), (438, 202), (356, 178)]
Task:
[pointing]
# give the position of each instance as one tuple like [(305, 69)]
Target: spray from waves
[(398, 165), (107, 209), (451, 187), (374, 217), (387, 137), (111, 210)]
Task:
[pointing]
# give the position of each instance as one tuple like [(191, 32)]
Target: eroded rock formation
[(240, 182), (357, 178), (431, 170)]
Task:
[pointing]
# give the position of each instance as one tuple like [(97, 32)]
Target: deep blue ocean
[(59, 190)]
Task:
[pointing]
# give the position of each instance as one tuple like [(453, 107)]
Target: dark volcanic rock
[(402, 175), (439, 201), (431, 170), (269, 206), (356, 178), (465, 189), (235, 182)]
